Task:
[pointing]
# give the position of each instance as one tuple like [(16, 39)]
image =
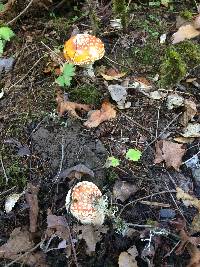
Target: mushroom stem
[(89, 70)]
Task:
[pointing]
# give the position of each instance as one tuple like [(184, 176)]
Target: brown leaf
[(74, 172), (32, 200), (7, 7), (70, 107), (187, 31), (122, 190), (19, 242), (127, 259), (190, 112), (92, 235), (106, 113), (59, 225), (187, 199), (112, 74), (169, 152)]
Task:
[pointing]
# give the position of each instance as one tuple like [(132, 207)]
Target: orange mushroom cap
[(83, 49), (82, 200)]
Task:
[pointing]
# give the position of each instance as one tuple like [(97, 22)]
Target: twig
[(152, 195), (62, 158), (21, 13), (4, 171), (164, 130), (53, 52), (5, 192), (23, 255), (72, 244)]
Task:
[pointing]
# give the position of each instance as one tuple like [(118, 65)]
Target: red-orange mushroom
[(83, 203), (83, 49)]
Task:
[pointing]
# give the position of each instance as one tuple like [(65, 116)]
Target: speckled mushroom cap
[(81, 202), (83, 49)]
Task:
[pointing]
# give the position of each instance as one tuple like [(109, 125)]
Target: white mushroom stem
[(89, 70)]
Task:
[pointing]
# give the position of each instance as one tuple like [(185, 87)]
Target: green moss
[(87, 94), (186, 14), (120, 10), (17, 174), (178, 60), (111, 175)]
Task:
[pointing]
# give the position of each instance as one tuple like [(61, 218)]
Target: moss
[(17, 174), (87, 94), (186, 14), (120, 10), (177, 62), (111, 175)]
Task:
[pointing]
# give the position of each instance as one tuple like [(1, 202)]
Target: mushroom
[(83, 50), (86, 203)]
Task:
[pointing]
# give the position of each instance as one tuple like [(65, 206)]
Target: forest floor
[(145, 160)]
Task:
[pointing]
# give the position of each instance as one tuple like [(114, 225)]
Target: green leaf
[(1, 47), (2, 6), (133, 154), (6, 33), (68, 72), (112, 162), (60, 80)]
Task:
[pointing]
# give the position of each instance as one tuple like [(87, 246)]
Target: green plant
[(112, 162), (67, 74), (120, 10), (133, 154), (186, 14), (5, 35), (177, 61)]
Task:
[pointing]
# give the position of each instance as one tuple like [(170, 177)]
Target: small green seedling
[(133, 154), (5, 35), (112, 162), (67, 74)]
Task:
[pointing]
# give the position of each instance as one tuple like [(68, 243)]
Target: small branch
[(21, 13), (4, 171)]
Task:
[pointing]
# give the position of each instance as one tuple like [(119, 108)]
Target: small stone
[(167, 214)]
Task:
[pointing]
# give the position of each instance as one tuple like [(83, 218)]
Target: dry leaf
[(74, 172), (169, 152), (127, 259), (184, 140), (70, 107), (197, 22), (119, 94), (174, 101), (187, 31), (190, 112), (92, 235), (192, 130), (122, 190), (106, 113), (7, 7), (32, 201), (19, 242), (11, 201), (112, 74), (187, 199)]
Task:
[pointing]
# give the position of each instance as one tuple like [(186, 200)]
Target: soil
[(28, 115)]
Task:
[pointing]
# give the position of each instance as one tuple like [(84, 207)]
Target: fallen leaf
[(184, 140), (133, 154), (18, 243), (1, 93), (163, 38), (122, 190), (190, 112), (116, 24), (187, 199), (11, 201), (192, 130), (174, 101), (118, 94), (187, 31), (197, 22), (106, 113), (76, 171), (70, 107), (6, 64), (112, 74), (32, 200), (112, 162), (91, 234), (169, 152), (22, 150), (190, 80), (142, 85), (127, 259)]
